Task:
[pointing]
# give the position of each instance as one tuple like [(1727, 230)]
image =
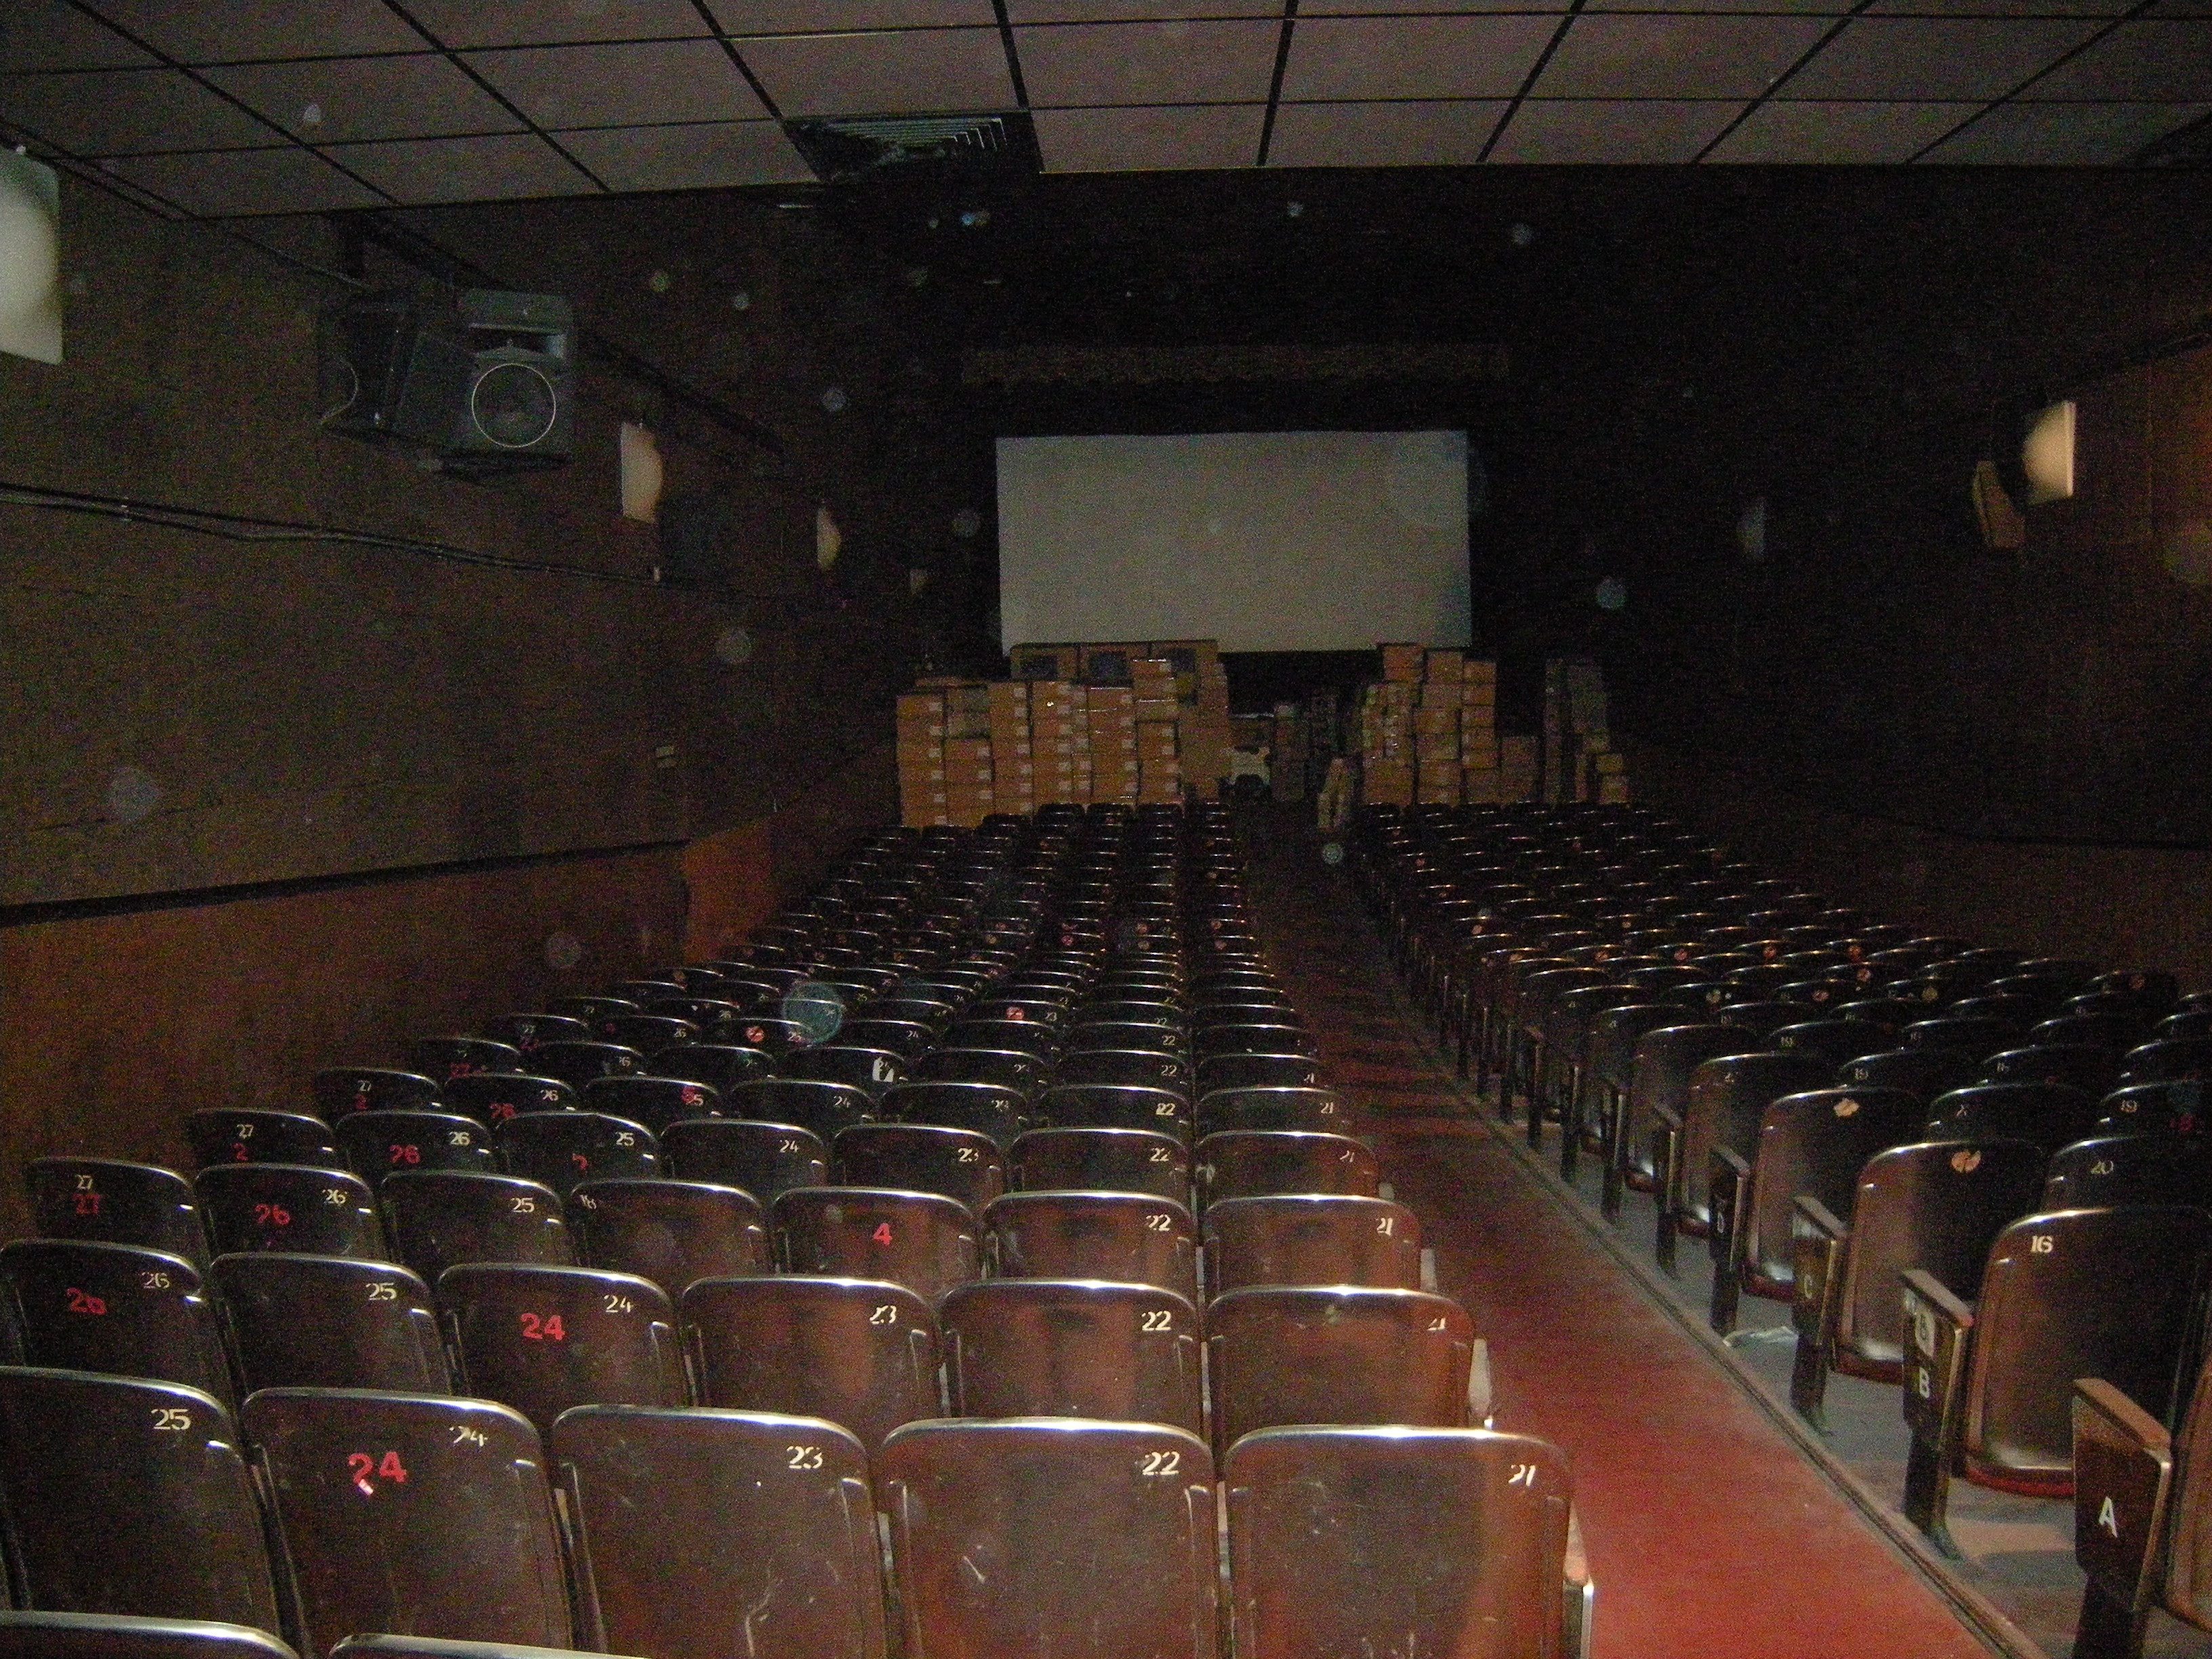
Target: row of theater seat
[(1088, 1358), (1973, 1172)]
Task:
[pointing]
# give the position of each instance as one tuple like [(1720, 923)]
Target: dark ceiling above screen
[(221, 110)]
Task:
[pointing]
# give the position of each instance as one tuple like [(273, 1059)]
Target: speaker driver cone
[(513, 405)]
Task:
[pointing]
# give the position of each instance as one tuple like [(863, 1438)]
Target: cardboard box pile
[(921, 720), (1428, 732), (1113, 732), (1580, 763)]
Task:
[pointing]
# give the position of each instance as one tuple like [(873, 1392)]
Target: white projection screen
[(1266, 541)]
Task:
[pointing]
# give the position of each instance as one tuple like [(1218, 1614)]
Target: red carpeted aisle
[(1710, 1534)]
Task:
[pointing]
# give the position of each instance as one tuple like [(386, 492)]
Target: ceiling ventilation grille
[(842, 147)]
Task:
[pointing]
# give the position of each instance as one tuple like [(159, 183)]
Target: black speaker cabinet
[(480, 379)]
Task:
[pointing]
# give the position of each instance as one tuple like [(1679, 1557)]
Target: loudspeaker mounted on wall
[(479, 380)]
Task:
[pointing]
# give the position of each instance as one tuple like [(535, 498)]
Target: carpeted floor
[(1711, 1534)]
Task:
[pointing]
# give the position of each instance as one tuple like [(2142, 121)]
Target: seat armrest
[(1667, 1116), (1578, 1594), (1728, 1192), (1938, 1328), (1481, 1403), (2122, 1482), (1817, 1240)]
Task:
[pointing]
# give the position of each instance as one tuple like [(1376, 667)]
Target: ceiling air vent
[(963, 146)]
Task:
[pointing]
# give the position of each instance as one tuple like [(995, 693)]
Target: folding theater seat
[(257, 1137), (922, 1240), (1026, 1074), (1101, 1160), (2048, 1114), (1050, 1348), (1926, 1073), (340, 1091), (128, 1496), (560, 1149), (541, 1339), (528, 1032), (440, 1218), (1934, 1205), (1313, 1239), (1665, 1057), (655, 1102), (2106, 1170), (1271, 1106), (1116, 1106), (408, 1515), (648, 1034), (671, 1232), (120, 1636), (779, 1557), (2111, 1293), (1339, 1354), (492, 1097), (2140, 1507), (962, 1165), (1127, 1237), (374, 1144), (106, 1200), (871, 1071), (2084, 1065), (1810, 1144), (1725, 1100), (318, 1322), (822, 1109), (1149, 1069), (1456, 1541), (444, 1058), (289, 1206), (1255, 1163), (996, 1113), (1027, 1537), (763, 1159), (78, 1305), (577, 1063)]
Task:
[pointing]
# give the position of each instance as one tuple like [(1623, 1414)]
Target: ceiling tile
[(2165, 61), (1802, 8), (2063, 135), (335, 101), (1408, 134), (1414, 57), (239, 182), (547, 22), (723, 155), (129, 112), (1138, 11), (1936, 57), (232, 31), (635, 85), (1146, 140), (885, 73), (825, 16), (487, 169), (1675, 57), (1998, 8), (1839, 134), (1643, 132), (1365, 8), (1167, 63), (48, 35)]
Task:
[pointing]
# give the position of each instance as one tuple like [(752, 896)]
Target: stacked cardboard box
[(1386, 739), (1013, 768), (1159, 758), (1404, 663), (1201, 691), (1480, 783), (1580, 763), (1113, 732), (921, 723), (1437, 728), (1057, 751), (1516, 767)]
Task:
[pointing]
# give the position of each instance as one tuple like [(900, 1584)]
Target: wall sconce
[(30, 258), (2046, 454), (642, 474)]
